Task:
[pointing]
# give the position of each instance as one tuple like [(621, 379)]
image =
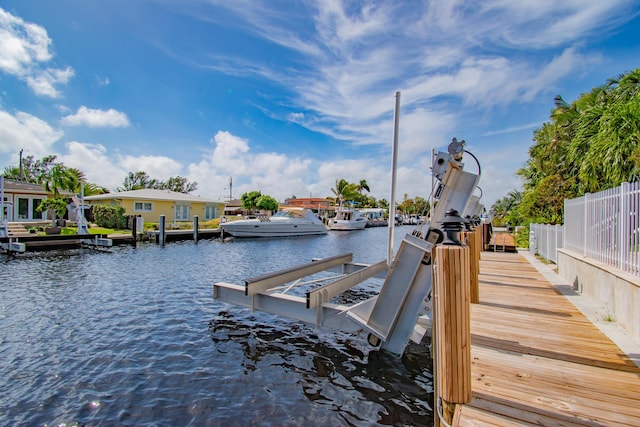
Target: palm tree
[(344, 190), (614, 152), (363, 186)]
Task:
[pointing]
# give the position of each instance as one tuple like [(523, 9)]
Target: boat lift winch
[(401, 311)]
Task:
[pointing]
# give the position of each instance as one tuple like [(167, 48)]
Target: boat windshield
[(289, 214)]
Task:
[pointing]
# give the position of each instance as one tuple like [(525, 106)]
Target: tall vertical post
[(195, 228), (585, 240), (623, 243), (453, 327), (161, 236), (474, 265), (394, 161)]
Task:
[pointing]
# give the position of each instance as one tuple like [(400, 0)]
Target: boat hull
[(347, 225), (264, 230)]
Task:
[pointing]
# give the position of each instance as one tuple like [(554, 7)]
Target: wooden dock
[(501, 242), (537, 360)]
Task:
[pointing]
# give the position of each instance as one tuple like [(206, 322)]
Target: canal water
[(133, 337)]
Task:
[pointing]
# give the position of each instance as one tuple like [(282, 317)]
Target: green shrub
[(109, 216), (522, 237)]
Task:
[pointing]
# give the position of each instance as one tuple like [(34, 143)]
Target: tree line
[(589, 145), (55, 177)]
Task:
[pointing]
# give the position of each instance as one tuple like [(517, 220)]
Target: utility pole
[(230, 188), (21, 168)]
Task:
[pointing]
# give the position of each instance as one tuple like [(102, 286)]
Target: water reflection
[(133, 337), (335, 371)]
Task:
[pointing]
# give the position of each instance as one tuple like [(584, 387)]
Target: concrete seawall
[(615, 292)]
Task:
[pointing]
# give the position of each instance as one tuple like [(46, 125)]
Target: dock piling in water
[(161, 237), (195, 228)]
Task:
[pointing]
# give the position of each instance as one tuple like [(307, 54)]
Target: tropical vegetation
[(589, 145), (141, 180), (54, 176), (350, 193), (109, 216), (253, 200)]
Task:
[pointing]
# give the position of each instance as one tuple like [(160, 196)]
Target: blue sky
[(288, 96)]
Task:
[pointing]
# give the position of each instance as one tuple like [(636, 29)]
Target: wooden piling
[(195, 228), (162, 231), (134, 228), (453, 330), (471, 238)]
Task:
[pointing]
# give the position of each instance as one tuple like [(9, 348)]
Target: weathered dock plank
[(537, 360)]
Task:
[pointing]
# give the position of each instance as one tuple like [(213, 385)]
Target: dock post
[(161, 236), (471, 239), (195, 228), (134, 229), (452, 333)]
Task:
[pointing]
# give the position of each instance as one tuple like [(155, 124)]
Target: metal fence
[(604, 226), (545, 239)]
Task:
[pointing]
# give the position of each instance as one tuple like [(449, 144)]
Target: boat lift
[(10, 245), (401, 310)]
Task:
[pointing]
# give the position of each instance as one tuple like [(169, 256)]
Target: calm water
[(133, 337)]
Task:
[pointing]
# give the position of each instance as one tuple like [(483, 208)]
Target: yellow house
[(150, 204)]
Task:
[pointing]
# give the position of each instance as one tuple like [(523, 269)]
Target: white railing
[(605, 226), (544, 240)]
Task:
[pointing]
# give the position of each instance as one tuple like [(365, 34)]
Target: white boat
[(286, 222), (348, 219)]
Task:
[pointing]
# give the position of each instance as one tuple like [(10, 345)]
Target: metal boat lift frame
[(402, 309)]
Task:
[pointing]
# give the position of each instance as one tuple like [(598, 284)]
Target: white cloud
[(275, 174), (99, 166), (109, 169), (24, 131), (485, 56), (43, 82), (24, 47), (96, 118), (21, 44), (159, 167)]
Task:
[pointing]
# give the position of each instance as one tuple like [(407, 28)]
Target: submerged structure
[(401, 311)]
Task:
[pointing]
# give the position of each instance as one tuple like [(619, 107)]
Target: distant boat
[(284, 223), (348, 219)]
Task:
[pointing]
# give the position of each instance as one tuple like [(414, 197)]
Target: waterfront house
[(150, 204), (21, 199)]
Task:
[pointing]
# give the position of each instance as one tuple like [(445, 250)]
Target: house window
[(23, 208), (210, 212), (182, 212), (143, 206), (26, 209), (34, 206)]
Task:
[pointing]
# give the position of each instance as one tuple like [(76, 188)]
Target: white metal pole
[(623, 226), (394, 161), (585, 239)]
